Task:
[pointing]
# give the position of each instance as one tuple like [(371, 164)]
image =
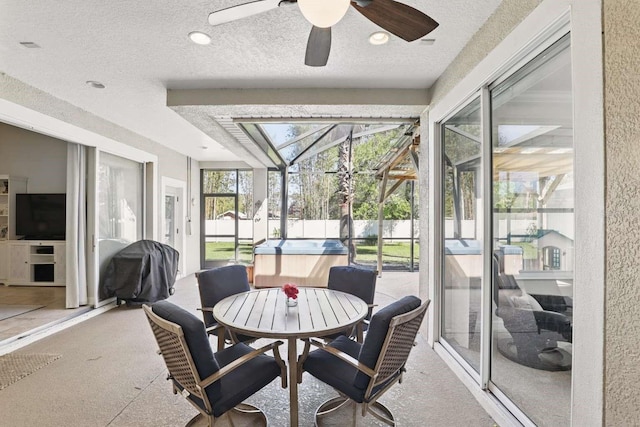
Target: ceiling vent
[(30, 45)]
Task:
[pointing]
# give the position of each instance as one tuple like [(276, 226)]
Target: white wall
[(30, 108), (23, 153)]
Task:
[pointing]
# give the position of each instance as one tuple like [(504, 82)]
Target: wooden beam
[(383, 188)]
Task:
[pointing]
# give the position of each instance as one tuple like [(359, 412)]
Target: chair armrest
[(556, 322), (343, 356), (241, 361)]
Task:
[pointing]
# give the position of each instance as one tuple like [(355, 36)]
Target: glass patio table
[(264, 313)]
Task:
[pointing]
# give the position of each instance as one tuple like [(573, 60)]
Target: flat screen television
[(41, 216)]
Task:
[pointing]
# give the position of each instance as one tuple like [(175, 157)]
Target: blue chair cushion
[(355, 281), (242, 382), (196, 337), (337, 373), (378, 328), (218, 283), (333, 371)]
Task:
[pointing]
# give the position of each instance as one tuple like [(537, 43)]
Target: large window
[(519, 341)]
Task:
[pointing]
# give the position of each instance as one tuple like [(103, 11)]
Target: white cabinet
[(18, 263), (9, 187), (37, 263), (60, 263), (4, 262)]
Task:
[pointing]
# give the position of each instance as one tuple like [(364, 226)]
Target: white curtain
[(76, 226)]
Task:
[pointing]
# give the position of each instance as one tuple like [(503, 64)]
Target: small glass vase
[(292, 302)]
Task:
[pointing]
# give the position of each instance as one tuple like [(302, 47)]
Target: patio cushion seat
[(238, 384), (338, 374), (243, 381)]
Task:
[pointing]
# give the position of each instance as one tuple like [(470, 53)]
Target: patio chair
[(362, 373), (215, 285), (214, 383), (355, 281)]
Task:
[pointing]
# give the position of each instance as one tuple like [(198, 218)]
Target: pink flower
[(290, 290)]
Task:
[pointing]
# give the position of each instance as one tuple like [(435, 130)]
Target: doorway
[(173, 218)]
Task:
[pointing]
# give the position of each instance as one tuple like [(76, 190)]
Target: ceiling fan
[(397, 18)]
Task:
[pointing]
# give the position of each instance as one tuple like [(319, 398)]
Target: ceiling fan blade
[(242, 11), (399, 19), (318, 47)]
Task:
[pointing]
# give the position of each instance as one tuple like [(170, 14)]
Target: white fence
[(315, 229), (392, 229)]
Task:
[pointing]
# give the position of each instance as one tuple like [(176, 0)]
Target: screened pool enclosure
[(353, 181)]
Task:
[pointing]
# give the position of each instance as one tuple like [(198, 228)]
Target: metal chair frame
[(389, 367), (184, 375)]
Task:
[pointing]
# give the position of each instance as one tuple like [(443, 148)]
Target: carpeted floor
[(14, 367), (12, 310)]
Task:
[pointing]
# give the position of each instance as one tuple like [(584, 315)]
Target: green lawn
[(225, 251), (392, 253)]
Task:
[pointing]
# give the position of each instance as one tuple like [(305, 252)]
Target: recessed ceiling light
[(204, 147), (379, 37), (199, 37), (94, 84)]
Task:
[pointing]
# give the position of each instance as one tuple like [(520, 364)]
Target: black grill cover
[(144, 271)]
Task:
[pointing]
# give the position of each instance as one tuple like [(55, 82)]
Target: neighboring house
[(555, 250), (231, 215)]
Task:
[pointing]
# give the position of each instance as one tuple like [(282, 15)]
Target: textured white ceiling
[(140, 49)]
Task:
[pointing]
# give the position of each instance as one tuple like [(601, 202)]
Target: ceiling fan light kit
[(393, 17), (323, 13)]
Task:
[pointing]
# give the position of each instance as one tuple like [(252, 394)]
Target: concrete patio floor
[(110, 375)]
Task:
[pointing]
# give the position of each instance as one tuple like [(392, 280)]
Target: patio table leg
[(293, 381)]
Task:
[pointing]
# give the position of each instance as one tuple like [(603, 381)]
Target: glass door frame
[(483, 378), (93, 214), (439, 236), (203, 238)]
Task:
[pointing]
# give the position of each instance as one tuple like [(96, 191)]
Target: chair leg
[(360, 332), (220, 333)]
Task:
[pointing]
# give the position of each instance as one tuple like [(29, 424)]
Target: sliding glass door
[(120, 201), (507, 303), (533, 235), (463, 240)]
